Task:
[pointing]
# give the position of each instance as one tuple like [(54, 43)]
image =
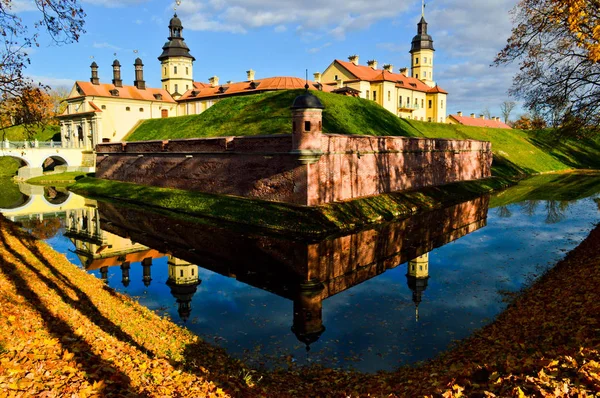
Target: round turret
[(422, 41), (116, 63), (307, 101), (138, 61)]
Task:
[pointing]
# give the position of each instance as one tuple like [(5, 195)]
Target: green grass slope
[(516, 152), (17, 133), (270, 113)]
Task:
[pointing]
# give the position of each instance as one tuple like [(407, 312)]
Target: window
[(181, 273), (417, 75), (192, 272), (424, 74), (389, 95), (187, 71), (442, 105), (408, 101), (374, 95), (335, 77), (176, 88), (400, 101), (429, 119), (367, 94), (430, 104), (424, 60), (103, 107), (422, 103), (416, 61), (307, 125), (141, 109), (187, 87), (165, 72), (175, 70), (127, 109), (165, 86)]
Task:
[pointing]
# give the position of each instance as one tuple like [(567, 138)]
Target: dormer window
[(254, 85), (158, 96), (79, 90), (414, 84), (194, 93), (223, 89), (114, 92)]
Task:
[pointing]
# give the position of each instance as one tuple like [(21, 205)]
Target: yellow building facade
[(412, 96)]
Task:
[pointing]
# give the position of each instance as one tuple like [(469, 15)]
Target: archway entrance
[(52, 163), (164, 113)]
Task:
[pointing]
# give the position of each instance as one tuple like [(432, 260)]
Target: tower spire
[(423, 8)]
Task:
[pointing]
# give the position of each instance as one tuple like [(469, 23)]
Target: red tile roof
[(367, 73), (126, 92), (479, 122), (203, 90)]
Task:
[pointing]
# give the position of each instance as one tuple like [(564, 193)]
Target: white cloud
[(280, 29), (114, 3), (315, 50), (106, 45), (333, 16), (52, 81), (18, 6)]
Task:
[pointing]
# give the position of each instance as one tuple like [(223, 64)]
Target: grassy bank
[(317, 221), (516, 152), (64, 332), (9, 193), (62, 179), (17, 133), (270, 113)]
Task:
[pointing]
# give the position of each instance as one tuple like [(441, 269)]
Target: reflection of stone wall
[(264, 168), (280, 265)]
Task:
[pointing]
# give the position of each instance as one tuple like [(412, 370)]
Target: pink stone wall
[(263, 167)]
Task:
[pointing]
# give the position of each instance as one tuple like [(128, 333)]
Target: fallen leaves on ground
[(65, 333)]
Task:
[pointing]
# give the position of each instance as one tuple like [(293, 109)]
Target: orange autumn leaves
[(581, 18)]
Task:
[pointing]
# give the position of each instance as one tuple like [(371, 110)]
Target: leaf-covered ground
[(65, 334)]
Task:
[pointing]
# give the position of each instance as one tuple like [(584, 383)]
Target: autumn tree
[(506, 108), (557, 44), (62, 20), (32, 109)]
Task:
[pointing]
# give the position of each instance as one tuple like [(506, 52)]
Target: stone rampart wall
[(263, 167)]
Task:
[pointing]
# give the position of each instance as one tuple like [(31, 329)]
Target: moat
[(388, 295)]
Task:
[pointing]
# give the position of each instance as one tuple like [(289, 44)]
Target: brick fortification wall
[(265, 167)]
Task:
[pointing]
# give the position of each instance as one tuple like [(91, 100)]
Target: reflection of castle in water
[(307, 273)]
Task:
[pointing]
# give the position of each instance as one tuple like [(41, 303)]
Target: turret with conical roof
[(417, 278), (176, 61)]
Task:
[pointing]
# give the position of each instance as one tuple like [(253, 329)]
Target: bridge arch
[(52, 161), (23, 162)]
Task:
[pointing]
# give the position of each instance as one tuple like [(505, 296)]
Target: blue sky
[(283, 38)]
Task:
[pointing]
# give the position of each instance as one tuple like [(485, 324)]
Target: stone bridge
[(36, 205), (37, 157)]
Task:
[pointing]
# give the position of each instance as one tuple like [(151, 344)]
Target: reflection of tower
[(183, 281), (308, 313), (147, 276), (417, 277), (125, 272)]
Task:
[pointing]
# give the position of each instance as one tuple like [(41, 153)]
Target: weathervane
[(177, 4), (423, 5)]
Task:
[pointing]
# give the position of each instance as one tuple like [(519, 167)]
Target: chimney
[(94, 79), (473, 115), (353, 59), (139, 74), (339, 83), (372, 64), (404, 71), (388, 68), (117, 74), (214, 81), (482, 117), (459, 113), (250, 74), (317, 76)]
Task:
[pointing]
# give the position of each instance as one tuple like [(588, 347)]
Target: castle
[(106, 112)]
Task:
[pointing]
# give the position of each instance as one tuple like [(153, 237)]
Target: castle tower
[(176, 62), (308, 313), (147, 271), (422, 53), (139, 74), (125, 267), (183, 281), (307, 127), (417, 277)]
